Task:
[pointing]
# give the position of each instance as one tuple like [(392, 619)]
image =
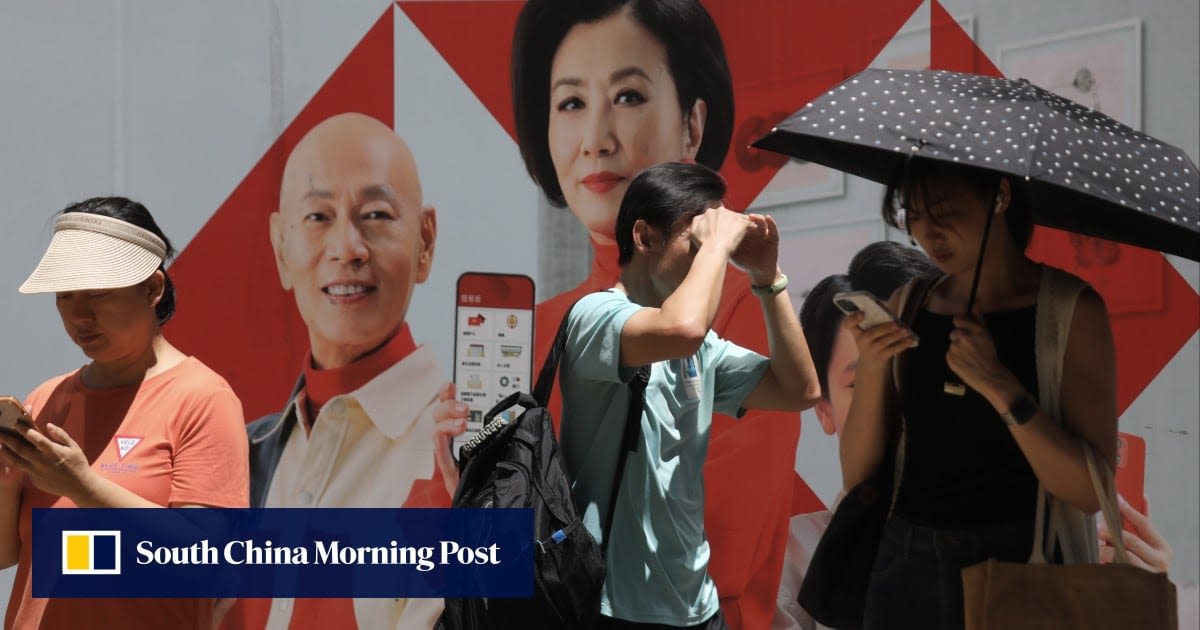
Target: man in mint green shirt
[(675, 239)]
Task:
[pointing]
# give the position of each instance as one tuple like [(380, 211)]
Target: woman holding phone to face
[(182, 437), (601, 90), (969, 482)]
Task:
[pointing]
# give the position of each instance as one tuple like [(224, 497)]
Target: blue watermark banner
[(288, 552)]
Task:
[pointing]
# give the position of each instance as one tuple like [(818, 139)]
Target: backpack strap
[(630, 436), (630, 433)]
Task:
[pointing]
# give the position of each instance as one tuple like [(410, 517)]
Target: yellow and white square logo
[(91, 552)]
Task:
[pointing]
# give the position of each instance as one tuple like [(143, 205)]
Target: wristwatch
[(772, 289), (1020, 411)]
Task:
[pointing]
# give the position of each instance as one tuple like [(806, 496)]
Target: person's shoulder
[(196, 376), (61, 383), (600, 301), (560, 303), (263, 426), (195, 385), (1062, 283)]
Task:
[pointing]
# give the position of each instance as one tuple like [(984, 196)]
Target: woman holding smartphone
[(603, 89), (182, 441), (972, 465)]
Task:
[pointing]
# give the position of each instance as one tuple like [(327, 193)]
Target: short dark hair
[(695, 58), (132, 212), (984, 184), (663, 195), (879, 268)]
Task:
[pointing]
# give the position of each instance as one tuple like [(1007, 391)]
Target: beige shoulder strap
[(1057, 523)]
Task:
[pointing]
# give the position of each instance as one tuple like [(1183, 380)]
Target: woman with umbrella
[(1012, 386), (969, 484)]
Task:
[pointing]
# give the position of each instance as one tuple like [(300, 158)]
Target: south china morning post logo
[(364, 552), (91, 552)]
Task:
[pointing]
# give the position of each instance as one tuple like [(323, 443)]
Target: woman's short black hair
[(132, 212), (984, 184), (663, 195), (879, 268), (695, 58)]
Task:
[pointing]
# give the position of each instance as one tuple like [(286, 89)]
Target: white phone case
[(876, 312)]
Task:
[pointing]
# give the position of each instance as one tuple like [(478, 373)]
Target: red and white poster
[(236, 122)]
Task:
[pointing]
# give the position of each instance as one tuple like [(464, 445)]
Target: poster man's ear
[(428, 242)]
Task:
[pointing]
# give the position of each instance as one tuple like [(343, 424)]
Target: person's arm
[(864, 436), (1088, 398), (56, 464), (790, 382), (10, 515), (678, 327)]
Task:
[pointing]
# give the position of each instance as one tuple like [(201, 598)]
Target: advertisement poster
[(341, 177)]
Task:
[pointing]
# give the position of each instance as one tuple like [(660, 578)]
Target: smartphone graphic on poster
[(1131, 472), (493, 342)]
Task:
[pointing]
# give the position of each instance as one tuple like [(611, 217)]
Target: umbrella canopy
[(1082, 171)]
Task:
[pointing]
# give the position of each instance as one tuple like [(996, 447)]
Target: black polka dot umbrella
[(1083, 171)]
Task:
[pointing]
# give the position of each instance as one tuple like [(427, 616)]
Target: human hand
[(758, 253), (1145, 545), (879, 344), (12, 477), (449, 421), (972, 356), (53, 461), (719, 226)]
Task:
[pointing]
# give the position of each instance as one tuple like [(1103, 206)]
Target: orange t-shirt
[(176, 438)]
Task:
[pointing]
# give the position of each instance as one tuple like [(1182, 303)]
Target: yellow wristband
[(773, 289)]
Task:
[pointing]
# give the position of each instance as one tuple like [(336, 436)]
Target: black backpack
[(518, 464)]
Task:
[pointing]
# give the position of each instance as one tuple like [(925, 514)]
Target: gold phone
[(13, 412)]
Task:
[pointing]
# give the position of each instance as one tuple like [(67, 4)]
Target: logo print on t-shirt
[(125, 443)]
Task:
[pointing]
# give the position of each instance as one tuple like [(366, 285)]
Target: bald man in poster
[(370, 421)]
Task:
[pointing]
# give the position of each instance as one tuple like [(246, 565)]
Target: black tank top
[(962, 467)]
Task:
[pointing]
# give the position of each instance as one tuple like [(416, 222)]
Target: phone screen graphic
[(493, 342)]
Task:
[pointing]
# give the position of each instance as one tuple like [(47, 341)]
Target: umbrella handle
[(953, 385)]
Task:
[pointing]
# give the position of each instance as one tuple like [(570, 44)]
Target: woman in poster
[(601, 90)]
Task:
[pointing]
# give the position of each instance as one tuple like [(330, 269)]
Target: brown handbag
[(1004, 595)]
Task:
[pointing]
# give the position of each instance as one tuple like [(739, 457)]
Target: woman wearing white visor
[(141, 425)]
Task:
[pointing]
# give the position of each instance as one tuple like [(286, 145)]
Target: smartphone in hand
[(493, 343), (875, 311), (12, 414)]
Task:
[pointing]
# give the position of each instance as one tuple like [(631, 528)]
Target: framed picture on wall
[(794, 181), (1098, 67)]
